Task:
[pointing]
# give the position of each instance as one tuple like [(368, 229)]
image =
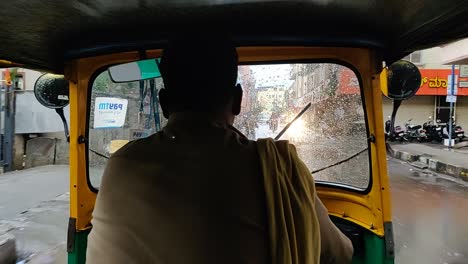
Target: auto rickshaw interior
[(332, 132), (327, 53)]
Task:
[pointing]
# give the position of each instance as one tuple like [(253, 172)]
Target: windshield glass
[(331, 135)]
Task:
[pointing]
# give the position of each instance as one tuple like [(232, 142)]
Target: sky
[(272, 75)]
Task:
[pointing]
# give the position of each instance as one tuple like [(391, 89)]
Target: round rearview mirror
[(51, 90), (404, 80)]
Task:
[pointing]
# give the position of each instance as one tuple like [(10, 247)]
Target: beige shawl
[(290, 193)]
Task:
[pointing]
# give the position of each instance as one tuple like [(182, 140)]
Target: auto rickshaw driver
[(199, 191)]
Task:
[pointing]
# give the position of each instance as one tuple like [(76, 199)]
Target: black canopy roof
[(42, 34)]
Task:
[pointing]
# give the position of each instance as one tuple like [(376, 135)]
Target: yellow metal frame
[(369, 210)]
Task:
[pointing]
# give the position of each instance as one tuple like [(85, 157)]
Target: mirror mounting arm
[(64, 121), (396, 105), (388, 147)]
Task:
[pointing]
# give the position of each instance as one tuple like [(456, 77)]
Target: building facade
[(38, 131), (271, 97), (311, 83), (430, 102), (247, 80), (22, 79), (317, 83)]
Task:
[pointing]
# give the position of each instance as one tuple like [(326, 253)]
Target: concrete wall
[(62, 147), (42, 151), (455, 52), (18, 152), (32, 117), (39, 152), (432, 59), (419, 108), (461, 112), (47, 149)]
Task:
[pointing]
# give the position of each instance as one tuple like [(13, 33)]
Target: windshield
[(331, 135)]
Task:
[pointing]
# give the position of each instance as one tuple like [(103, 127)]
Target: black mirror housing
[(51, 90), (403, 80)]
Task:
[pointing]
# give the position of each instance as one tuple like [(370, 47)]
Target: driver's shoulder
[(139, 148)]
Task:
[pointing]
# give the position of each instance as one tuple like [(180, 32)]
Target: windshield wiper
[(292, 121), (99, 154), (329, 166), (340, 162)]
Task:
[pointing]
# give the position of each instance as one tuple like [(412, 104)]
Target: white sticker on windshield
[(109, 112)]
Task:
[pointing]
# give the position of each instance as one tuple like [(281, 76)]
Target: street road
[(34, 208), (429, 213), (429, 216), (22, 190)]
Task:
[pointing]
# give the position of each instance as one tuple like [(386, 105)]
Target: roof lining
[(45, 34)]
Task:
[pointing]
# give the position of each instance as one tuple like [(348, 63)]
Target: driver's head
[(200, 74)]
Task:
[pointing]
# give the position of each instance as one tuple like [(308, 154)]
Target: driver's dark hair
[(199, 71)]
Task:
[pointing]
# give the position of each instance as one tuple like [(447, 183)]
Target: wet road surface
[(430, 216), (24, 189), (34, 207)]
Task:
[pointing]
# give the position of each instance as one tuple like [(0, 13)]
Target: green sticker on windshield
[(149, 69)]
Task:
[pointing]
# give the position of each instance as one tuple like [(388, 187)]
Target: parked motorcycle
[(398, 132), (415, 132), (458, 133), (433, 131), (387, 128)]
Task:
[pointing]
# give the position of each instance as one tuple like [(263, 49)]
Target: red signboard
[(435, 81)]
